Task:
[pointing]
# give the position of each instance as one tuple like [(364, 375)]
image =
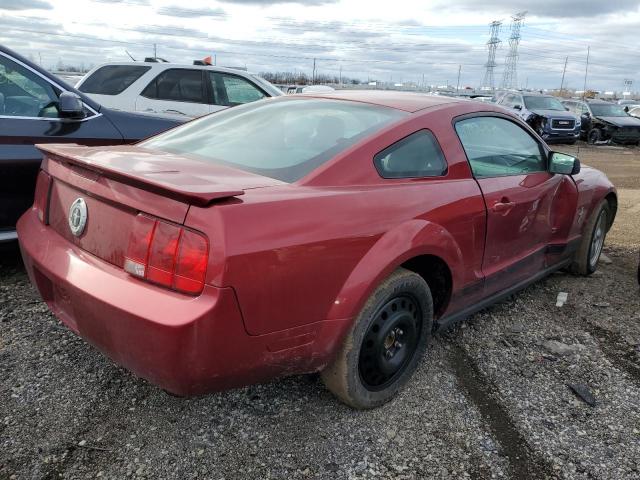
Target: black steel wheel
[(390, 342), (385, 343)]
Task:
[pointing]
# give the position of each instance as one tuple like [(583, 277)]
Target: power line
[(510, 74), (492, 46)]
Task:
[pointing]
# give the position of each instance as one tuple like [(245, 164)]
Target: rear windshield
[(112, 79), (284, 140)]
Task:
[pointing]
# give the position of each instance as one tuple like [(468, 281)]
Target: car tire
[(593, 136), (385, 343), (585, 260)]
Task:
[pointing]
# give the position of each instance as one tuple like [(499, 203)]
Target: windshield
[(284, 140), (542, 103), (607, 110)]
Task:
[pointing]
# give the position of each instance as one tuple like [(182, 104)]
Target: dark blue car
[(37, 107), (546, 115)]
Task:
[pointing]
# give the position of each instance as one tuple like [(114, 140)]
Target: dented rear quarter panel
[(593, 186), (314, 250)]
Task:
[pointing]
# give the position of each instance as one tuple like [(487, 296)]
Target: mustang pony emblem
[(77, 216)]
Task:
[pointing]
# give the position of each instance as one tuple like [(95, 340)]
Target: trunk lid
[(118, 183)]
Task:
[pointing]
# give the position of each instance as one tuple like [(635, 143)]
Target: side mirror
[(563, 164), (566, 108), (626, 109), (518, 107), (70, 105)]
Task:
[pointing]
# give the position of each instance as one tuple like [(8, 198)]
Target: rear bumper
[(186, 345)]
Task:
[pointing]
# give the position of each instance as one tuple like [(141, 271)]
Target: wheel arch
[(435, 271), (423, 247), (612, 200)]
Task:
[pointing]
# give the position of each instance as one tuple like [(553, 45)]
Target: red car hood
[(180, 177)]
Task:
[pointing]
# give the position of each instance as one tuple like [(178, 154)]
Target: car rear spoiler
[(151, 181)]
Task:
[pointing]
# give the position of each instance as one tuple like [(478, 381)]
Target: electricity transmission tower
[(492, 46), (510, 75)]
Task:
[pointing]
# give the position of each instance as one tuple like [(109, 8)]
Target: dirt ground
[(492, 398)]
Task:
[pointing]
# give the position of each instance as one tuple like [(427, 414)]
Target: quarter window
[(499, 147), (179, 85), (417, 155), (25, 94), (112, 79)]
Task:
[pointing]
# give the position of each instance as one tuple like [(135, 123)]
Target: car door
[(174, 91), (510, 166), (29, 115)]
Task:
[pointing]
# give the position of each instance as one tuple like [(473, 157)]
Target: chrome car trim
[(54, 119), (8, 236)]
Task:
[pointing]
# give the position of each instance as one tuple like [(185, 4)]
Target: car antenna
[(130, 56)]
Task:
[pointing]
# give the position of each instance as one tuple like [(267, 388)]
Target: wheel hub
[(390, 342)]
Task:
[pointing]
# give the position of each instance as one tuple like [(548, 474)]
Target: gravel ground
[(491, 400)]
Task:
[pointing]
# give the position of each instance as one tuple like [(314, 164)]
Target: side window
[(25, 94), (240, 90), (498, 147), (177, 84), (417, 155), (112, 79)]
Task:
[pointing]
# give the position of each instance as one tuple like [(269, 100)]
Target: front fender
[(408, 240)]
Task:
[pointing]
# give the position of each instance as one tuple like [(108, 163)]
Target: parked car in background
[(325, 232), (634, 112), (160, 87), (37, 107), (545, 114), (293, 89), (482, 98), (628, 102), (605, 121)]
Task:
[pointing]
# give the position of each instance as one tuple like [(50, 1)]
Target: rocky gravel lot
[(491, 400)]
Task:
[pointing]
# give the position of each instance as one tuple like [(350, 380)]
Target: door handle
[(503, 206)]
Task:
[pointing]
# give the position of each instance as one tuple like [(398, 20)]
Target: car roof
[(164, 65), (407, 101), (536, 94)]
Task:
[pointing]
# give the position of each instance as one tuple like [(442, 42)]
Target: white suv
[(168, 88)]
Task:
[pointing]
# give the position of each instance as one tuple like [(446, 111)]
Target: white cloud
[(403, 40)]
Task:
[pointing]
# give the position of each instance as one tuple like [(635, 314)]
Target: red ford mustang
[(328, 233)]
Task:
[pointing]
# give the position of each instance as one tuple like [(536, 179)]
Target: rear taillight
[(41, 199), (167, 254)]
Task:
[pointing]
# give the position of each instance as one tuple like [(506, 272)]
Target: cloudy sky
[(396, 40)]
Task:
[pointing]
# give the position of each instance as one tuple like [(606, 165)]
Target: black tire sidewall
[(405, 283)]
